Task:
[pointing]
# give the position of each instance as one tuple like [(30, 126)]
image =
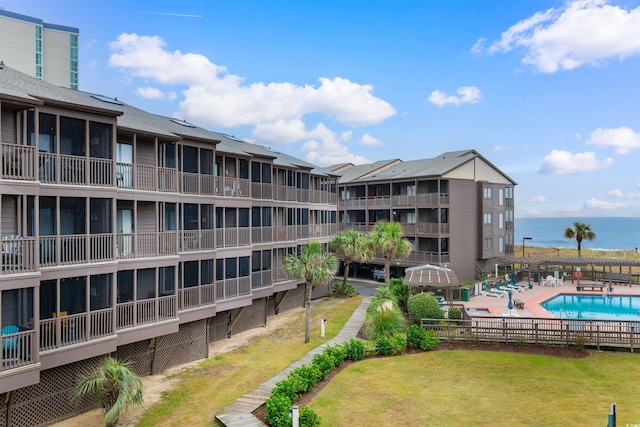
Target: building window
[(501, 245), (73, 61), (487, 243), (501, 197), (411, 217), (487, 217), (411, 190), (500, 220), (486, 191)]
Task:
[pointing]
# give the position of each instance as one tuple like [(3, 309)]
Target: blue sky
[(548, 91)]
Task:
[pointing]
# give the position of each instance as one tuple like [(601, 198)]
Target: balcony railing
[(261, 190), (18, 349), (432, 228), (285, 233), (197, 240), (261, 234), (18, 162), (234, 187), (167, 180), (232, 288), (144, 312), (18, 254), (432, 199), (196, 296), (261, 279), (194, 183)]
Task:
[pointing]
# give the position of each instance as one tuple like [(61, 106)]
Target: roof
[(398, 170), (430, 275)]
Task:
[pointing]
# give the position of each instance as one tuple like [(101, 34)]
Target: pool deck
[(533, 297)]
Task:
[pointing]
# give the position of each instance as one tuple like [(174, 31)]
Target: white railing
[(124, 175), (167, 308), (73, 249), (101, 323), (188, 298), (101, 172), (18, 254), (18, 162), (101, 247), (126, 315), (146, 178), (167, 180), (72, 170)]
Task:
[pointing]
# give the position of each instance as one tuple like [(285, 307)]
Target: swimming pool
[(601, 307)]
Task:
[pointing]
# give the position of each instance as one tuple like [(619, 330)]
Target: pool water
[(601, 307), (478, 310)]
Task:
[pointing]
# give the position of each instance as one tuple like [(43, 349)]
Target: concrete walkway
[(240, 412)]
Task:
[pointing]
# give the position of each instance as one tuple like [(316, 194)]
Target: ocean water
[(611, 233)]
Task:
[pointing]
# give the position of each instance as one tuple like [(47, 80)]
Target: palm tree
[(580, 232), (354, 246), (115, 386), (316, 267), (388, 239)]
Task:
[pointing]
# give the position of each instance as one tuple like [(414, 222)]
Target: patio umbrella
[(510, 303)]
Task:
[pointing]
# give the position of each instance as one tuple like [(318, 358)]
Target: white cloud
[(594, 203), (155, 93), (216, 97), (501, 148), (633, 195), (324, 149), (615, 193), (539, 199), (622, 139), (582, 32), (466, 95), (564, 162), (370, 141)]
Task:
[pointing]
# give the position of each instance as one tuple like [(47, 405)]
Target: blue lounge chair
[(506, 286)]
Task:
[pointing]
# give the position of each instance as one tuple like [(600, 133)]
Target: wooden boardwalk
[(240, 412)]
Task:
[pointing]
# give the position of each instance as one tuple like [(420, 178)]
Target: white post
[(294, 416), (496, 271), (322, 322)]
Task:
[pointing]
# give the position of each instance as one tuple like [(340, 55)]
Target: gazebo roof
[(430, 275)]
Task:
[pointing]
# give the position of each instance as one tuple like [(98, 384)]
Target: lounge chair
[(514, 288), (503, 288), (10, 345), (493, 292)]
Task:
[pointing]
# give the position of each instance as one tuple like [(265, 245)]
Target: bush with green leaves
[(354, 349), (306, 376), (349, 289), (324, 363), (336, 352), (370, 348), (423, 306), (455, 313), (291, 387), (386, 321), (391, 345), (277, 414), (400, 291), (418, 337), (308, 418)]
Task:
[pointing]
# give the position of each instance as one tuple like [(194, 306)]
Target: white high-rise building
[(40, 49)]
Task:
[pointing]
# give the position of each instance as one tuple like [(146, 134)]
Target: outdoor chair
[(10, 345), (493, 292), (514, 288), (11, 252)]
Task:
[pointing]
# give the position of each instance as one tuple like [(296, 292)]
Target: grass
[(482, 388), (216, 382)]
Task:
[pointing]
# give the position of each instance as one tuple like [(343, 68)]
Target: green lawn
[(213, 384), (483, 388)]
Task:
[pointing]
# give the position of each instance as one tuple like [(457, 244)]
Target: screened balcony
[(196, 287), (18, 162), (18, 333)]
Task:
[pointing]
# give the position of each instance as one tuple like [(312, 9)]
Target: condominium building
[(137, 235), (40, 49), (456, 209)]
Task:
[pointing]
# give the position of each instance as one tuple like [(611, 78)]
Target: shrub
[(337, 353), (370, 348), (455, 313), (324, 363), (277, 414), (418, 337), (291, 388), (391, 345), (387, 320), (349, 289), (354, 349), (308, 418), (400, 291), (423, 306), (306, 376), (432, 341)]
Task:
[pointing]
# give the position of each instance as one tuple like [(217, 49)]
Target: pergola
[(432, 276), (596, 267)]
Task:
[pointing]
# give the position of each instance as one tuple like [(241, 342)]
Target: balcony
[(285, 233), (18, 254), (432, 199), (18, 162), (196, 296), (18, 349), (233, 187), (145, 245), (75, 170), (138, 313), (231, 237), (261, 190), (433, 228), (261, 234), (76, 328), (232, 288), (197, 240)]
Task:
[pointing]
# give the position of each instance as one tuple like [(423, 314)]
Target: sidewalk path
[(240, 412)]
